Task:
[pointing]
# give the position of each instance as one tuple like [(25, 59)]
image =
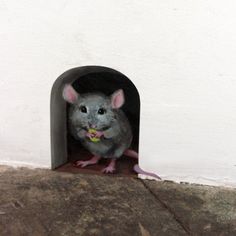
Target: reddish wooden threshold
[(124, 165)]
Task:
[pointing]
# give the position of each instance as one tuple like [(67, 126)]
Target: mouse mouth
[(100, 129)]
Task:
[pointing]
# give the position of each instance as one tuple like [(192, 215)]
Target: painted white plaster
[(180, 54)]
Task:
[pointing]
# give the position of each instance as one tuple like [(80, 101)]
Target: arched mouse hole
[(65, 148)]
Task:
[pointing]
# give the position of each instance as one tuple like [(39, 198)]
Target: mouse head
[(90, 110)]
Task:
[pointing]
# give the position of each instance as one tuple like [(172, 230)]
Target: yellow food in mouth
[(93, 137)]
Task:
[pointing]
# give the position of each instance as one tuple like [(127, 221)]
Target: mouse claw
[(109, 170), (82, 164), (92, 161)]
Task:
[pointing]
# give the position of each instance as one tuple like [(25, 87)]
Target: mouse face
[(94, 111)]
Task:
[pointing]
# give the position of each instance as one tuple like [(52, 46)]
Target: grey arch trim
[(58, 111)]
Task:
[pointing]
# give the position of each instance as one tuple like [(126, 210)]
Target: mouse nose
[(91, 125)]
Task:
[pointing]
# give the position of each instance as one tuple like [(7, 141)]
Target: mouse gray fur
[(103, 114)]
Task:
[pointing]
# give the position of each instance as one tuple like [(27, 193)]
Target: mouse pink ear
[(117, 99), (69, 94)]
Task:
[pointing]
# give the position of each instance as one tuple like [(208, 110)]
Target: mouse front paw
[(82, 163), (92, 161)]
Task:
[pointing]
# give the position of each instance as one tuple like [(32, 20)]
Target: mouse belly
[(104, 148)]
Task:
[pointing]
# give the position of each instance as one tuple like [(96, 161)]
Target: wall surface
[(180, 54)]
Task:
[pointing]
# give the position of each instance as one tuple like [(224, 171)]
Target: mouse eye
[(83, 109), (101, 111)]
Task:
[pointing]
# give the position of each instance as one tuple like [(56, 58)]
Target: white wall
[(180, 54)]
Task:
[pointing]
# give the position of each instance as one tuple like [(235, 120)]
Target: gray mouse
[(97, 121)]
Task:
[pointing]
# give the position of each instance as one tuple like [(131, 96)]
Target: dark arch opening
[(86, 79)]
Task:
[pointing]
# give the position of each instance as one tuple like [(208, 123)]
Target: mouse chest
[(103, 147)]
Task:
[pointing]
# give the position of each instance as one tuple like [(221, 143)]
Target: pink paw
[(92, 161), (109, 169), (82, 163)]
